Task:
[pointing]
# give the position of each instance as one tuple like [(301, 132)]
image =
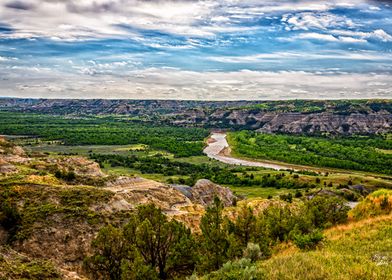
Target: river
[(216, 146)]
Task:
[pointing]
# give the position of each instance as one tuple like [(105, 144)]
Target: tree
[(148, 247), (245, 225), (253, 252), (165, 245), (214, 239), (110, 249), (327, 211), (276, 222), (137, 269)]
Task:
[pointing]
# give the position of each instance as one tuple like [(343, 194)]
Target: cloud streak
[(163, 83)]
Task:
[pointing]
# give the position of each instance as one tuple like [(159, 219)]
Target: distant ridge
[(292, 116)]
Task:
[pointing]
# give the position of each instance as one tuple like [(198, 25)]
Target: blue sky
[(218, 50)]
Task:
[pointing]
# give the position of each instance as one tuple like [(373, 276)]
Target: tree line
[(234, 176), (355, 153), (181, 141)]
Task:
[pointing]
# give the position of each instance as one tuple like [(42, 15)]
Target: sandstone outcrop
[(204, 192)]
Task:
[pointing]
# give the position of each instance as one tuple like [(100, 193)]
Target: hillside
[(60, 202), (357, 250)]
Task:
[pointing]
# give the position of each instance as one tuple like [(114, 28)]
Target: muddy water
[(218, 143)]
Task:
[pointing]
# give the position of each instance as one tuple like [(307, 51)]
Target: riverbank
[(218, 148)]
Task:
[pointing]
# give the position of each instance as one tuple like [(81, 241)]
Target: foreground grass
[(359, 250)]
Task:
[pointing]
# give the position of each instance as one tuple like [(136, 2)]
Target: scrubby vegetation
[(23, 207), (377, 203), (355, 153), (292, 235), (16, 266), (360, 250), (150, 246)]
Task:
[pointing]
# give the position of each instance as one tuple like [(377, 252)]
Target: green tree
[(327, 210), (165, 245), (147, 247), (137, 269), (110, 250), (245, 225), (242, 269), (214, 239)]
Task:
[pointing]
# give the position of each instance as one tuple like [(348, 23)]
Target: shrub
[(308, 241), (253, 252), (298, 194), (242, 269), (376, 203), (67, 176), (326, 211)]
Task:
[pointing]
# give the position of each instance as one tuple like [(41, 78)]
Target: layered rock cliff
[(295, 116)]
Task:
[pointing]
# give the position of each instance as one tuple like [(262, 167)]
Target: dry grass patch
[(358, 250)]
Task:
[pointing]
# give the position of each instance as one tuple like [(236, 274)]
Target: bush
[(308, 241), (326, 211), (376, 203), (242, 269), (253, 252), (67, 176)]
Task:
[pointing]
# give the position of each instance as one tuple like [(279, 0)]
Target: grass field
[(136, 149), (359, 250)]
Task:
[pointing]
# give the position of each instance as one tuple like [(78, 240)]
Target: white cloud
[(178, 84), (317, 36), (351, 40), (378, 34), (82, 19), (382, 35), (7, 59), (345, 36), (335, 38), (322, 21), (281, 56)]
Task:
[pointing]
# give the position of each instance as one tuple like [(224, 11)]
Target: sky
[(199, 50)]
